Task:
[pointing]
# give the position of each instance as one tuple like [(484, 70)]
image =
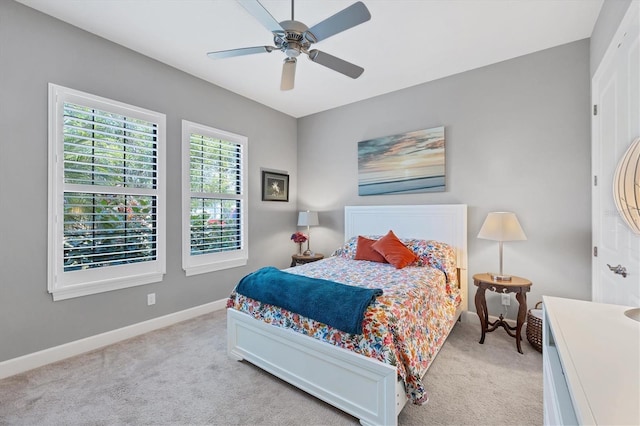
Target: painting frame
[(406, 163), (275, 186)]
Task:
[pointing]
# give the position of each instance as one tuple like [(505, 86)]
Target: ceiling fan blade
[(258, 11), (347, 18), (336, 64), (240, 52), (288, 74)]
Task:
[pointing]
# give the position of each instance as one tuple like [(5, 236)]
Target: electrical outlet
[(151, 299), (506, 300)]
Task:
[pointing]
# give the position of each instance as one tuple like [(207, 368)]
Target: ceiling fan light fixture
[(292, 50), (288, 74)]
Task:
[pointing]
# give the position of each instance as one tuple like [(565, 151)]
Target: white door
[(616, 123)]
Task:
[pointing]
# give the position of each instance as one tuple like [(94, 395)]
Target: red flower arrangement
[(298, 237)]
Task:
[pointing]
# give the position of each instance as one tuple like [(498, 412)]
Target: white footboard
[(361, 386)]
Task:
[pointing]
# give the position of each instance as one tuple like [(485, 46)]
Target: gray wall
[(517, 139), (36, 49)]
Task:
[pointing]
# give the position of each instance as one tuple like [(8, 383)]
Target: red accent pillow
[(394, 251), (364, 251)]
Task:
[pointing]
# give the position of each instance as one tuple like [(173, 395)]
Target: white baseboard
[(47, 356)]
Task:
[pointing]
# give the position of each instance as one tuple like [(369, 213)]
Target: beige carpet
[(181, 375)]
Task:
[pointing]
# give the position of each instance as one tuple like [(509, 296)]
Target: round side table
[(519, 286), (300, 259)]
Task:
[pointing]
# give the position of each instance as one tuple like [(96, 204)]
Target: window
[(213, 200), (106, 194)]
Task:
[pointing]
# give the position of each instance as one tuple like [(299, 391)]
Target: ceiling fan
[(293, 38)]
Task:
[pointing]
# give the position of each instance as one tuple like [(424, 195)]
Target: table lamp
[(308, 219), (501, 226)]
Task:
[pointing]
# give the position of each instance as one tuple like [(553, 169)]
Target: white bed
[(361, 386)]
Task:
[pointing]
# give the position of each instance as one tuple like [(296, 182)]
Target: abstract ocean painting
[(407, 163)]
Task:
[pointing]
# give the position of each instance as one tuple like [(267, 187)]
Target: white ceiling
[(406, 42)]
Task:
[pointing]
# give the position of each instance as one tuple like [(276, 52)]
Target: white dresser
[(591, 363)]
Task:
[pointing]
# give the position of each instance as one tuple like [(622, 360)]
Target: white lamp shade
[(308, 218), (626, 187), (501, 226)]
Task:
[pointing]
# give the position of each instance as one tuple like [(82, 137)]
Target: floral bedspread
[(404, 327)]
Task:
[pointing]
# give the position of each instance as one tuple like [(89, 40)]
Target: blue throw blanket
[(338, 305)]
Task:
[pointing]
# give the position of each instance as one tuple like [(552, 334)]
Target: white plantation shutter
[(108, 229), (110, 186), (108, 190), (213, 199)]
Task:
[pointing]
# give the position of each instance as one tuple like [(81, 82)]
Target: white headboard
[(442, 222)]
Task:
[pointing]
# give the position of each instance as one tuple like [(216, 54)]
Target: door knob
[(620, 270)]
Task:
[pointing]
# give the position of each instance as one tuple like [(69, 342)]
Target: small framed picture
[(275, 186)]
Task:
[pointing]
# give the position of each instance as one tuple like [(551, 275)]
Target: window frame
[(210, 262), (64, 285)]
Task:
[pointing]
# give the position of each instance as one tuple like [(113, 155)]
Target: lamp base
[(499, 277), (307, 253)]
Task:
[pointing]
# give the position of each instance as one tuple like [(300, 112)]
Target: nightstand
[(300, 259), (519, 286)]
